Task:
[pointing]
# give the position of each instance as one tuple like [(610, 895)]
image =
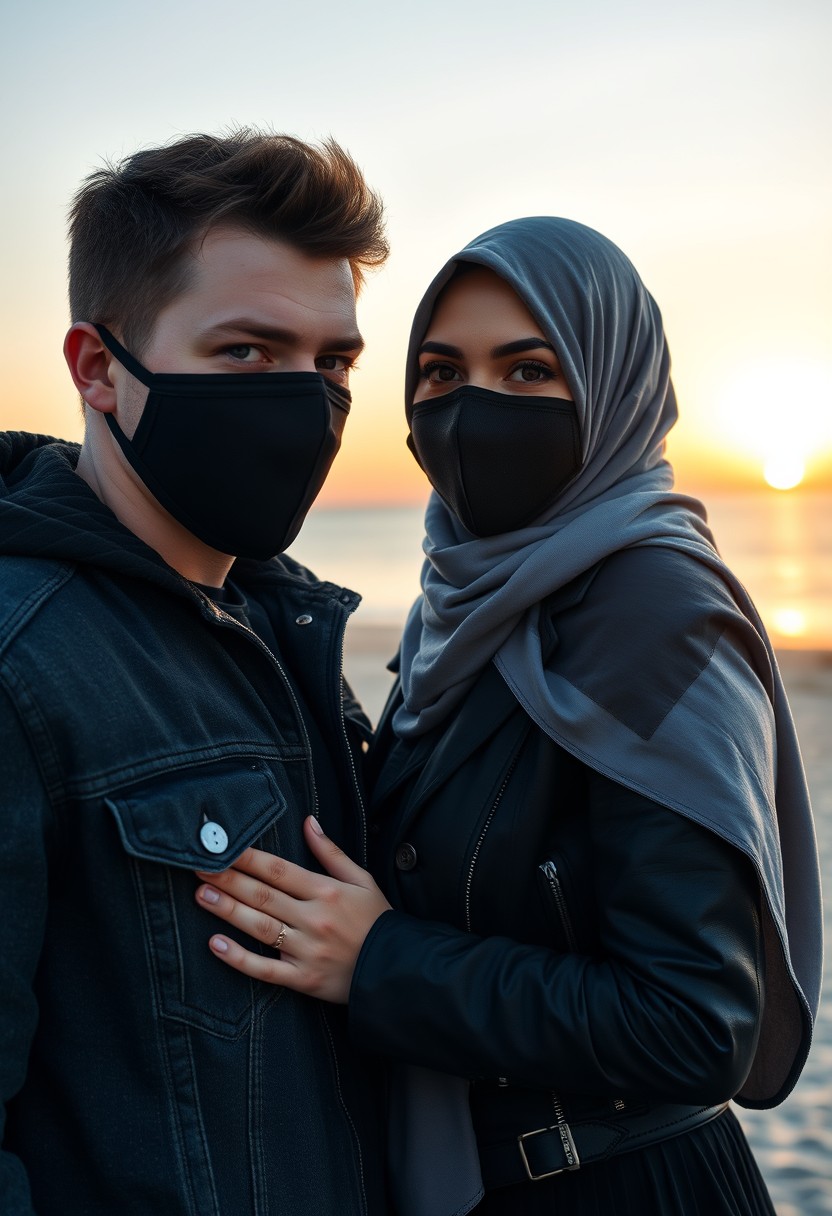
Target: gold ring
[(279, 942)]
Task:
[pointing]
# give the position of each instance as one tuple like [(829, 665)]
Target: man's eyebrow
[(287, 337), (353, 342), (522, 344)]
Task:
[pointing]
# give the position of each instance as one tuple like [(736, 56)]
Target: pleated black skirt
[(709, 1171)]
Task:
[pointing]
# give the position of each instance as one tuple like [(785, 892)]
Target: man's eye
[(333, 363), (439, 373), (243, 352)]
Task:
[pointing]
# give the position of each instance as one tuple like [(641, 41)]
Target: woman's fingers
[(334, 860), (317, 921), (261, 896), (258, 966), (275, 872), (263, 881), (310, 977), (260, 919)]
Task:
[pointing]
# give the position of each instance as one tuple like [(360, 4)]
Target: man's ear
[(89, 362)]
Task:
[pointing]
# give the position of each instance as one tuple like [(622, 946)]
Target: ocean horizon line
[(703, 491)]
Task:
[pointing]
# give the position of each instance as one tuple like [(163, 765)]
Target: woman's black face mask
[(237, 458), (498, 460)]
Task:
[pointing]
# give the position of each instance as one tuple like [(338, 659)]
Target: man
[(163, 705)]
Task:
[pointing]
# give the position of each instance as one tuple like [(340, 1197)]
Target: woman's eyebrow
[(440, 348), (522, 344), (498, 352)]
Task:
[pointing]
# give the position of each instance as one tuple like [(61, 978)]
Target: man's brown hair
[(133, 224)]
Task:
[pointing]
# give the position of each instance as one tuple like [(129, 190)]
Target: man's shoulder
[(26, 583), (287, 577)]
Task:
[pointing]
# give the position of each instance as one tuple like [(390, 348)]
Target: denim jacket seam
[(110, 781), (172, 1033), (172, 1105), (353, 1130), (188, 1033), (254, 1104), (34, 725), (24, 610)]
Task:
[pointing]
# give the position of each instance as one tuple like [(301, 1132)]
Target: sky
[(694, 136)]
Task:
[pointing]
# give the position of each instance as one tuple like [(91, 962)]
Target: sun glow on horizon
[(789, 622), (784, 470), (778, 414)]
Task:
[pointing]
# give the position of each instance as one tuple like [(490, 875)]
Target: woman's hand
[(318, 922)]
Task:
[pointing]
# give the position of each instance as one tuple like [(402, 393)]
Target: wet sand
[(793, 1143)]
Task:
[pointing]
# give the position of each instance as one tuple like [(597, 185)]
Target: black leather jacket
[(555, 937)]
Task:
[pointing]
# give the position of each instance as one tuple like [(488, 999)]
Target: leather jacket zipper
[(478, 846), (356, 785), (570, 1152), (550, 873)]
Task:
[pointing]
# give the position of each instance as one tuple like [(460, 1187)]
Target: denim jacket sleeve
[(25, 817), (667, 1008)]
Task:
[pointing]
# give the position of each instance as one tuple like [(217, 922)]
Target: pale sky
[(695, 136)]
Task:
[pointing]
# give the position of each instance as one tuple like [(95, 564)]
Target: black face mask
[(237, 458), (498, 460)]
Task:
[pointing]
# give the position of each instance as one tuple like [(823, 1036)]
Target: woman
[(589, 810)]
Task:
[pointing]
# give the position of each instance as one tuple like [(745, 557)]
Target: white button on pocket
[(213, 837)]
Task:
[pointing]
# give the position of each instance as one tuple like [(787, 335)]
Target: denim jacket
[(146, 734)]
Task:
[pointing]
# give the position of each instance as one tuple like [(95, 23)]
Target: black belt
[(545, 1151)]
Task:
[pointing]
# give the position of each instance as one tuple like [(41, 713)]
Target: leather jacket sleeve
[(667, 1010)]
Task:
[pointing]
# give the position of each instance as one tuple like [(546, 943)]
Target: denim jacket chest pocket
[(198, 818)]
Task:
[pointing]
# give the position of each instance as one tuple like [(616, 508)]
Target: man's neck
[(111, 479)]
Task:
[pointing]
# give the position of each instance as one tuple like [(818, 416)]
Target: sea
[(779, 544)]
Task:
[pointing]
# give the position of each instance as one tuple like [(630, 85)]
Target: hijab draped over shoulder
[(724, 753)]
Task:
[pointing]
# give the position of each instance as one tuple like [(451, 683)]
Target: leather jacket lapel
[(484, 710), (481, 713)]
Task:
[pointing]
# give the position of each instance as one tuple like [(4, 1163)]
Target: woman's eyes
[(529, 371), (439, 373)]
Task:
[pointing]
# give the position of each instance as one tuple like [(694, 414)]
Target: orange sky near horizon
[(695, 137), (375, 467)]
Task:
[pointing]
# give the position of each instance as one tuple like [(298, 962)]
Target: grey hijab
[(739, 772)]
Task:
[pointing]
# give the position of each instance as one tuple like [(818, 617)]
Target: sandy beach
[(793, 1143)]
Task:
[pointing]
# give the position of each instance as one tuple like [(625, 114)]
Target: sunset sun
[(777, 414), (784, 470)]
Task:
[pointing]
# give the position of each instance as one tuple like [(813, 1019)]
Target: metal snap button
[(406, 857), (214, 837), (305, 619)]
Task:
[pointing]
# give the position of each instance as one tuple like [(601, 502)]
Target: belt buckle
[(573, 1161)]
